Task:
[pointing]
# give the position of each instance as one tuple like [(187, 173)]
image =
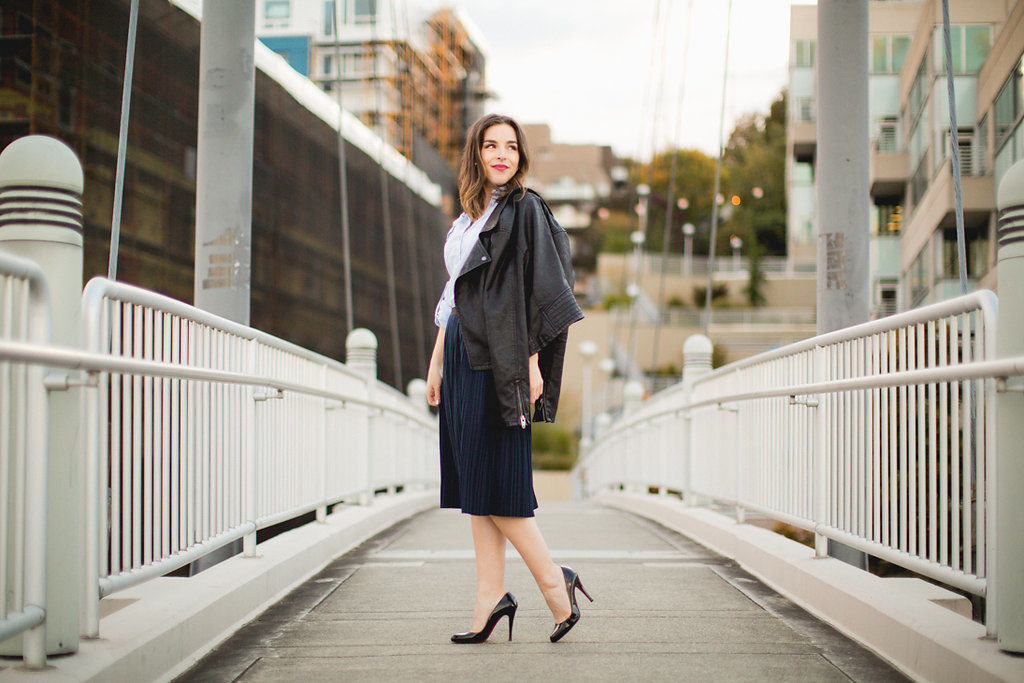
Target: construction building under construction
[(62, 68), (416, 77)]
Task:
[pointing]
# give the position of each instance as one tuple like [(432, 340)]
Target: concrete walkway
[(665, 609)]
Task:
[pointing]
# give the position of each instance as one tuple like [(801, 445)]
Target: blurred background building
[(415, 76), (913, 257), (61, 74)]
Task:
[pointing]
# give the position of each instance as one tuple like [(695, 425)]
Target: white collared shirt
[(457, 245)]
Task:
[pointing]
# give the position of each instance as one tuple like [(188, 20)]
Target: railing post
[(252, 486), (361, 356), (820, 463), (41, 185), (1009, 485), (321, 510), (416, 390), (697, 353)]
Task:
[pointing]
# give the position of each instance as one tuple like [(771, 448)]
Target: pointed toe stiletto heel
[(572, 582), (506, 607)]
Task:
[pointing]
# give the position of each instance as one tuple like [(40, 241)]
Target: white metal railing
[(24, 317), (741, 316), (199, 431), (880, 436), (771, 266)]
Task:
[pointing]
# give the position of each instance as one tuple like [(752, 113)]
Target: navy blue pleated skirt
[(486, 467)]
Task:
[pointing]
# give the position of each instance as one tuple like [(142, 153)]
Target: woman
[(499, 353)]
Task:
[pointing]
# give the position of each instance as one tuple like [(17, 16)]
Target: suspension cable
[(122, 139), (718, 174), (961, 247), (385, 201), (671, 196), (410, 215), (346, 244)]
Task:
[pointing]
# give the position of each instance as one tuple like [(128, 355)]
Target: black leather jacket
[(514, 299)]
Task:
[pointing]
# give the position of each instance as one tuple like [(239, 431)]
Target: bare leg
[(489, 546), (525, 535)]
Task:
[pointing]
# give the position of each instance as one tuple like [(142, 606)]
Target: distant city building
[(574, 179), (913, 250), (407, 72), (61, 75)]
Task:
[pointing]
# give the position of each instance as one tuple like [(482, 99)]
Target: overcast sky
[(585, 66)]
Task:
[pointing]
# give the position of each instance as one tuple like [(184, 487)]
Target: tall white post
[(841, 171), (697, 353), (587, 349), (361, 356), (227, 95), (42, 177), (1009, 484)]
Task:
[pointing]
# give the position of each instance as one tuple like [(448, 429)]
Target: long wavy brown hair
[(472, 180)]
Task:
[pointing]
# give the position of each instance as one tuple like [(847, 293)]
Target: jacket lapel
[(479, 255)]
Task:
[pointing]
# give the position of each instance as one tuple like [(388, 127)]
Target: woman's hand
[(536, 380), (434, 371), (434, 385)]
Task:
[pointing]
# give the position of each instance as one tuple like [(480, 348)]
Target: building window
[(329, 18), (328, 65), (976, 246), (805, 106), (887, 134), (969, 46), (920, 277), (803, 53), (363, 11), (277, 9), (890, 218), (888, 53)]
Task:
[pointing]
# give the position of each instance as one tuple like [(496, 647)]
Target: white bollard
[(361, 356), (41, 184), (416, 390), (361, 351), (697, 352), (1009, 579)]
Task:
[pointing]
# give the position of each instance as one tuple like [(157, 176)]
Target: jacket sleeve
[(549, 276)]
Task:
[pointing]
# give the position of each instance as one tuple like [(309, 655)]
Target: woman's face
[(499, 154)]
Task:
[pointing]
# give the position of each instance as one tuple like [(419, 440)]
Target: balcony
[(936, 208), (804, 137), (887, 169)]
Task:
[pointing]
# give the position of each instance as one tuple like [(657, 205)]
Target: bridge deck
[(665, 608)]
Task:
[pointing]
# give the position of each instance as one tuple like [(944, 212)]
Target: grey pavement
[(665, 609)]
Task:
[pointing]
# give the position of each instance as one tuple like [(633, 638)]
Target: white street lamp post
[(688, 231), (587, 350), (735, 242)]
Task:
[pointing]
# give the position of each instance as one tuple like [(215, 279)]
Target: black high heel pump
[(572, 582), (506, 607)]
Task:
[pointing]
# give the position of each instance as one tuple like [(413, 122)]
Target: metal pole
[(843, 293), (122, 139), (1007, 586), (42, 181), (718, 175), (227, 95)]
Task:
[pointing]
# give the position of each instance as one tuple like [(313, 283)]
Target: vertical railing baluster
[(943, 341)]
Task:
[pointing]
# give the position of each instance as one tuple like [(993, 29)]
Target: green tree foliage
[(753, 169), (695, 180), (755, 161)]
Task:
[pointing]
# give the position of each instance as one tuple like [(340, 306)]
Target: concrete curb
[(157, 630), (908, 622)]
